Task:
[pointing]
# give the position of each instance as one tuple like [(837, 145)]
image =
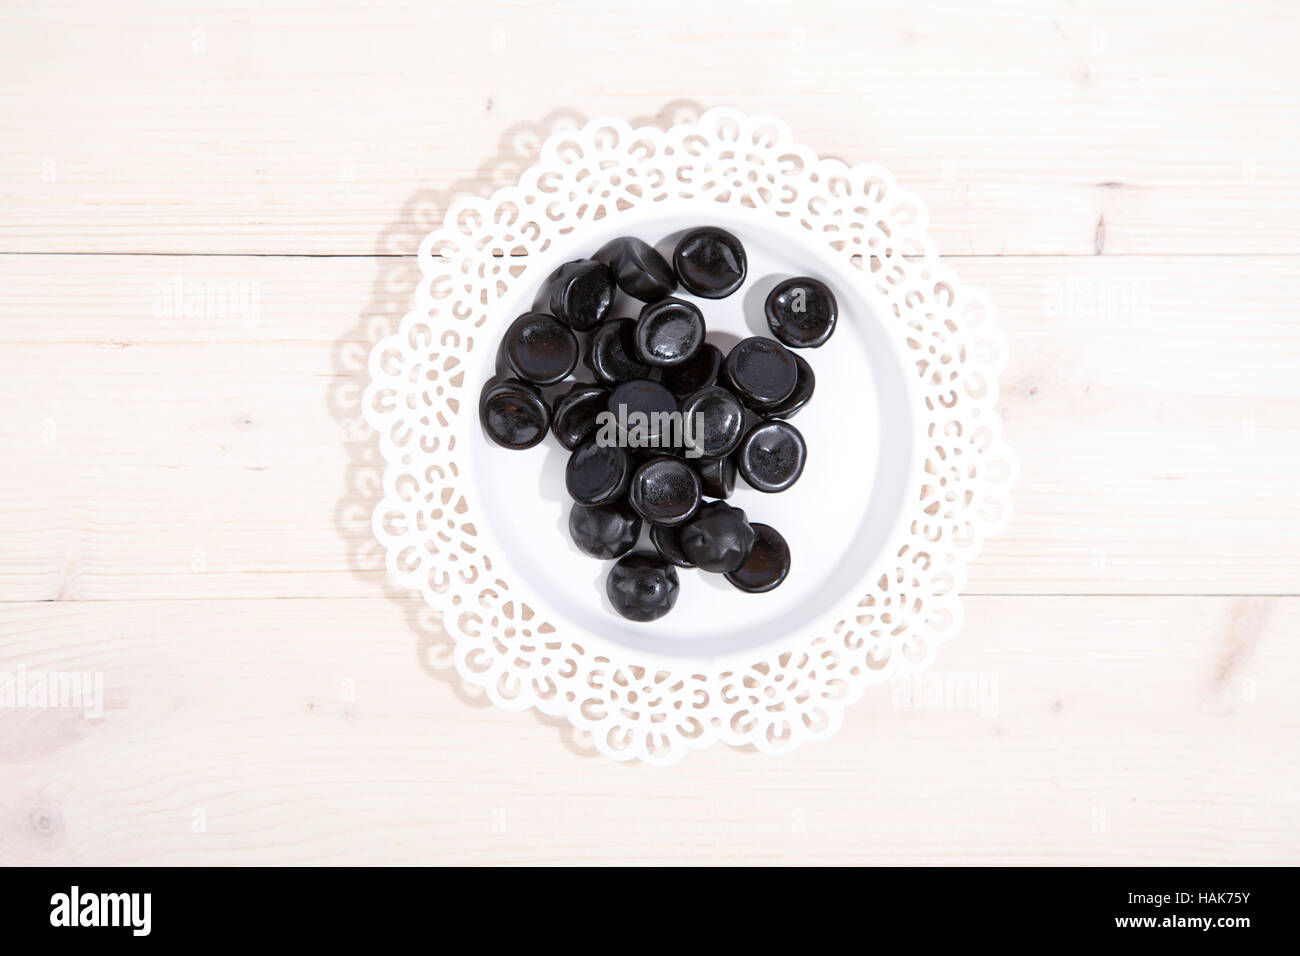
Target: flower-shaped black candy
[(719, 538), (604, 531), (642, 586)]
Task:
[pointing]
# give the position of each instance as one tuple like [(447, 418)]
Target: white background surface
[(185, 492)]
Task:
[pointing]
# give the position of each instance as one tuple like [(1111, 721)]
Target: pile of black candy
[(669, 421)]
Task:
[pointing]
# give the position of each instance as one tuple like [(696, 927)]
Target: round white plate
[(906, 473)]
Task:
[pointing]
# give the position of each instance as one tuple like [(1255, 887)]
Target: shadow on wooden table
[(394, 288)]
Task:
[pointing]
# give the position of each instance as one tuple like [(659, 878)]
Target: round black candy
[(644, 411), (639, 270), (611, 353), (772, 455), (581, 293), (801, 312), (768, 562), (665, 491), (604, 531), (514, 414), (575, 414), (717, 476), (719, 538), (803, 392), (539, 348), (669, 332), (714, 422), (669, 545), (760, 371), (710, 262), (642, 586), (597, 474), (701, 371)]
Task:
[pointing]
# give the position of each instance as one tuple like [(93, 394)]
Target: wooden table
[(186, 484)]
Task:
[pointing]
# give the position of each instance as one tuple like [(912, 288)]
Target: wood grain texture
[(207, 214), (173, 455), (1034, 128), (1111, 730)]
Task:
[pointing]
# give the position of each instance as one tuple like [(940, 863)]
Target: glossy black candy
[(539, 348), (669, 332), (514, 414), (597, 474), (768, 562), (665, 491), (668, 543), (581, 293), (804, 385), (719, 538), (574, 415), (642, 586), (611, 353), (710, 262), (760, 371), (717, 476), (701, 371), (772, 456), (604, 531), (801, 312), (639, 270), (643, 397), (714, 420)]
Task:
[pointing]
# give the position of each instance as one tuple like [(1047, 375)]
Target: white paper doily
[(531, 646)]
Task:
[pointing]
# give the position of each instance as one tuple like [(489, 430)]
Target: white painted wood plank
[(292, 127), (1112, 730)]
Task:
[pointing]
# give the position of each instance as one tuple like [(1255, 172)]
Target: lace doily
[(422, 403)]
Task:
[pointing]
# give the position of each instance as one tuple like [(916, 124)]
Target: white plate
[(837, 519), (907, 470)]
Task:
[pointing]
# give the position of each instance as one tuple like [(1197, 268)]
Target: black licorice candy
[(760, 371), (719, 538), (604, 531), (581, 293), (642, 586), (597, 474), (669, 332), (638, 268), (665, 491), (768, 563), (710, 262), (772, 455), (539, 348), (611, 353), (575, 414), (514, 414), (801, 312)]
